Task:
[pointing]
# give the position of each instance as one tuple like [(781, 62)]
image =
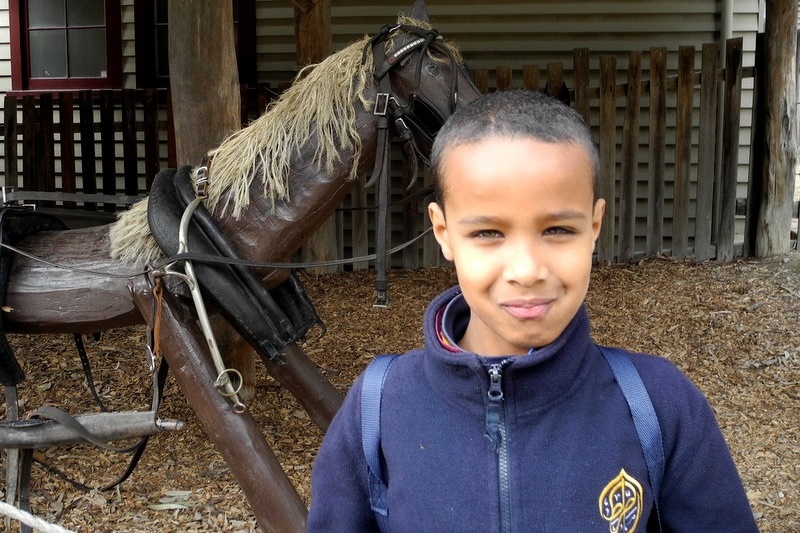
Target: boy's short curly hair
[(513, 114)]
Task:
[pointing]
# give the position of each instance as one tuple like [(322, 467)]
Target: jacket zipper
[(496, 432)]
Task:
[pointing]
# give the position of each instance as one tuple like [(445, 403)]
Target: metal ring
[(224, 379)]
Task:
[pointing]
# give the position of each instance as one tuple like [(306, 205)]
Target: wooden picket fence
[(105, 147)]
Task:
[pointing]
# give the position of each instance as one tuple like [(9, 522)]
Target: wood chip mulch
[(733, 328)]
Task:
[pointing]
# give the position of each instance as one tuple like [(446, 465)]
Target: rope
[(29, 519)]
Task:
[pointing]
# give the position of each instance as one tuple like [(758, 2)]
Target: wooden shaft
[(303, 379), (275, 502)]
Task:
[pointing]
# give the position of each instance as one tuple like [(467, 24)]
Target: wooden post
[(630, 161), (272, 497), (730, 148), (608, 147), (204, 81), (780, 131), (312, 19), (706, 156), (683, 151), (657, 164)]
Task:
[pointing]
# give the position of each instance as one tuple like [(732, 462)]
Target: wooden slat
[(657, 156), (47, 142), (152, 161), (481, 80), (555, 82), (30, 159), (108, 147), (707, 142), (87, 147), (66, 131), (530, 77), (10, 140), (130, 156), (755, 185), (607, 186), (504, 79), (580, 57), (630, 150), (683, 151), (730, 148)]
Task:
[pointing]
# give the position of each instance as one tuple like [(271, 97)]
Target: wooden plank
[(130, 156), (683, 151), (481, 80), (152, 161), (580, 58), (10, 141), (657, 151), (530, 77), (730, 148), (759, 123), (30, 159), (47, 140), (108, 147), (88, 167), (555, 82), (630, 150), (504, 78), (66, 132), (706, 150), (608, 144)]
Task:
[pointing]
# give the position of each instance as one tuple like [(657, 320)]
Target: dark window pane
[(161, 11), (48, 58), (85, 13), (46, 14), (162, 51), (87, 53)]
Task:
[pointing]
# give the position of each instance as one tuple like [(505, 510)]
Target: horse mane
[(321, 102)]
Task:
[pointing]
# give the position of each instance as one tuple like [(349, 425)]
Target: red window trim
[(20, 70)]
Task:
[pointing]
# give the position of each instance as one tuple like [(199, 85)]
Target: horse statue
[(267, 188)]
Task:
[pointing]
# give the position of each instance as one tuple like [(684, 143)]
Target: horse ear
[(419, 11)]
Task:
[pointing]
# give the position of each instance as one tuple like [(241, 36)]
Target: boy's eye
[(486, 234), (559, 230)]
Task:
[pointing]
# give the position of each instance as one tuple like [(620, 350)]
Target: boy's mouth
[(528, 309)]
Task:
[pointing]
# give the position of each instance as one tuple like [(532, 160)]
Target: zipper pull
[(494, 407)]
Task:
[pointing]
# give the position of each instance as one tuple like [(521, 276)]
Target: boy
[(509, 419)]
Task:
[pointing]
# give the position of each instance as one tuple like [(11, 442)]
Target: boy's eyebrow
[(567, 214)]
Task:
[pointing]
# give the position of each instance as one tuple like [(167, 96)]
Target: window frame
[(20, 59), (146, 77)]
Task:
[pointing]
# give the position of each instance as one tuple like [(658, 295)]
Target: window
[(65, 44), (152, 42)]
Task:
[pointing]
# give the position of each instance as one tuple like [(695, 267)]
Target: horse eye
[(433, 69)]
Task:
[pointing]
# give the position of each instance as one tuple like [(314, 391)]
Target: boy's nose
[(525, 266)]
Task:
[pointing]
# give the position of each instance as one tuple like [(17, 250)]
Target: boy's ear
[(439, 225), (597, 217)]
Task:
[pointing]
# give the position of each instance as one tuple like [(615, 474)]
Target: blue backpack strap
[(644, 415), (371, 392)]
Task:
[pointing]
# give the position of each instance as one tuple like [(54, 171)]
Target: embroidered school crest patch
[(621, 503)]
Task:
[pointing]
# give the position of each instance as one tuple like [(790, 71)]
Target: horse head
[(421, 79)]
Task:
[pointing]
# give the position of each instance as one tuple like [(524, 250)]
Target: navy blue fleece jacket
[(564, 458)]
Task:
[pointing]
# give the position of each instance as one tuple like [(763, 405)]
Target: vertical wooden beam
[(312, 19), (47, 140), (30, 156), (706, 145), (530, 77), (630, 161), (683, 151), (730, 148), (481, 76), (504, 78), (780, 131), (108, 147), (201, 41), (555, 82), (608, 148), (658, 146), (129, 143), (152, 162)]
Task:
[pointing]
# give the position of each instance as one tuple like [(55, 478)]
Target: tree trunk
[(203, 76), (780, 132), (314, 43)]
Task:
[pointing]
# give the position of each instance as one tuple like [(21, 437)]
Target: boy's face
[(520, 223)]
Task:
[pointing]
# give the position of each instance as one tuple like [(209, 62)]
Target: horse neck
[(267, 232)]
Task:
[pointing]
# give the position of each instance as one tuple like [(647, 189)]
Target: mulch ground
[(733, 328)]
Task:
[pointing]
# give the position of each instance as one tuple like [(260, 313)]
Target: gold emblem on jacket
[(621, 503)]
